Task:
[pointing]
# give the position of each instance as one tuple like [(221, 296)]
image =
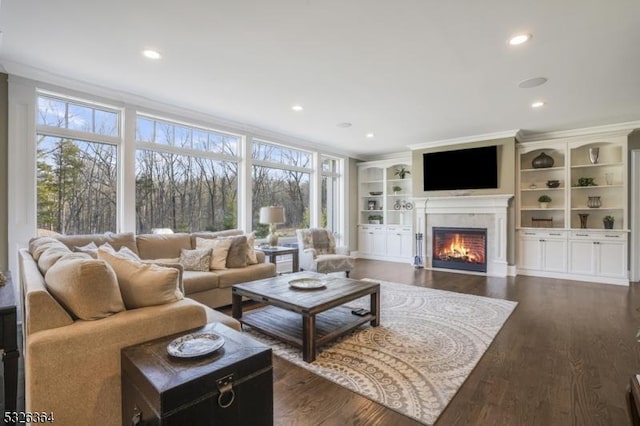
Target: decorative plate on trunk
[(195, 345)]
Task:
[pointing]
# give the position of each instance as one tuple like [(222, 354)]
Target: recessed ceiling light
[(532, 82), (519, 39), (344, 125), (152, 54), (297, 108), (369, 135), (537, 104)]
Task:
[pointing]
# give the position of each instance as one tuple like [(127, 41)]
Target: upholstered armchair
[(317, 252)]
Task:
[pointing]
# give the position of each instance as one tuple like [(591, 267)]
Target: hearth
[(460, 248)]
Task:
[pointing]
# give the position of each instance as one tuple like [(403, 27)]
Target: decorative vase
[(583, 220), (594, 202), (544, 205), (542, 161), (608, 225), (594, 153)]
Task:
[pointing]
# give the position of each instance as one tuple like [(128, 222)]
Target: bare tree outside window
[(76, 186)]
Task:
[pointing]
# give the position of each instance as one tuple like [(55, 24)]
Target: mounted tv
[(473, 168)]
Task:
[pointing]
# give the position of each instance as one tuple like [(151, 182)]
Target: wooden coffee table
[(305, 318)]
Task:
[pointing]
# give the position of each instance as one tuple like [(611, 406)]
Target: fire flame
[(458, 251)]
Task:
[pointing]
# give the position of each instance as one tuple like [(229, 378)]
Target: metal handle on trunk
[(227, 394)]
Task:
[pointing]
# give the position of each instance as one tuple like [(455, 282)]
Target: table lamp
[(272, 216)]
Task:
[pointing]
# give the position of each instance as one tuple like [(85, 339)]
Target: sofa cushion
[(143, 284), (155, 246), (237, 256), (229, 277), (197, 281), (86, 287), (219, 250), (196, 259), (212, 235), (52, 253), (117, 241)]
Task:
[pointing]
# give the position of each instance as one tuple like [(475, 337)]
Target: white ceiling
[(410, 71)]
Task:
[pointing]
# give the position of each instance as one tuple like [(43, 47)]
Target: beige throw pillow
[(87, 288), (91, 249), (237, 256), (195, 260), (143, 284), (252, 258), (220, 248)]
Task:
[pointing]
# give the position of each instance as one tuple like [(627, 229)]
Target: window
[(183, 181), (330, 207), (184, 176), (281, 177), (76, 178), (60, 113)]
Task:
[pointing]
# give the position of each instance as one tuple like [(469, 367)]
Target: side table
[(232, 386), (9, 343), (273, 252)]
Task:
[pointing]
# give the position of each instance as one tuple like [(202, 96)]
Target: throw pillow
[(252, 258), (143, 284), (51, 254), (237, 256), (39, 245), (220, 248), (87, 288), (195, 260), (91, 249)]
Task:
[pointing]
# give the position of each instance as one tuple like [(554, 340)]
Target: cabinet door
[(365, 241), (612, 259), (554, 255), (394, 243), (406, 249), (378, 242), (530, 253), (582, 257)]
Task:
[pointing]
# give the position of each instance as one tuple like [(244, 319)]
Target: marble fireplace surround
[(469, 211)]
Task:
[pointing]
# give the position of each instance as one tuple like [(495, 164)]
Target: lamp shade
[(271, 214)]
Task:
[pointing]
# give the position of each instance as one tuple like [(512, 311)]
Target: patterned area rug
[(426, 345)]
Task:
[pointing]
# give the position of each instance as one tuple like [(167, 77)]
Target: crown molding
[(628, 126), (466, 139), (401, 155)]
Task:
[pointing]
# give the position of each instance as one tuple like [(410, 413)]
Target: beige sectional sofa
[(72, 364), (212, 288)]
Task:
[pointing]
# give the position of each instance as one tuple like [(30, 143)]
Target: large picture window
[(77, 167), (183, 181), (178, 175), (281, 177)]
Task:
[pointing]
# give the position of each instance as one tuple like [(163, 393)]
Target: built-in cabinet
[(386, 212), (562, 205)]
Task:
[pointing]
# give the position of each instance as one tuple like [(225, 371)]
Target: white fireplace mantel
[(430, 208)]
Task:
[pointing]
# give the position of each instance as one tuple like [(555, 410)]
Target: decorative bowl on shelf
[(375, 193), (553, 183)]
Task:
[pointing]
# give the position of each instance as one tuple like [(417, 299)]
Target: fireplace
[(460, 248)]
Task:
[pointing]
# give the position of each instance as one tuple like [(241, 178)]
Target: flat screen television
[(472, 168)]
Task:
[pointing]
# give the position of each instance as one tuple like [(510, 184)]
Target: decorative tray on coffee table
[(307, 283)]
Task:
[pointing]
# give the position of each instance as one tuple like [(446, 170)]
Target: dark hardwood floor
[(564, 357)]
